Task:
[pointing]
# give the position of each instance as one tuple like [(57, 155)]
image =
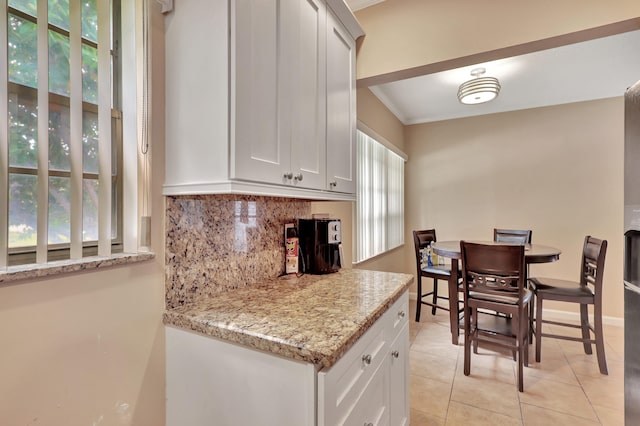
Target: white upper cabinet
[(261, 98), (341, 107), (280, 93)]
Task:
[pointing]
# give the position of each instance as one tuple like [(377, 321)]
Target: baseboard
[(556, 315)]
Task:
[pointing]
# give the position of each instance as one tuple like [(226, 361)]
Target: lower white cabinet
[(211, 381), (369, 385), (399, 379)]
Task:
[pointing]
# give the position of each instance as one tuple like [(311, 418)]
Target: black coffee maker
[(320, 243)]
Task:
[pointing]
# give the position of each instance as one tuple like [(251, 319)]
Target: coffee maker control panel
[(334, 232)]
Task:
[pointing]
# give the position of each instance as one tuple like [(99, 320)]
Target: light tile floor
[(565, 388)]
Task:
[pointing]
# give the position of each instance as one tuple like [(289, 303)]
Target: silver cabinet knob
[(298, 177), (366, 359), (395, 354), (288, 175), (401, 314), (333, 184)]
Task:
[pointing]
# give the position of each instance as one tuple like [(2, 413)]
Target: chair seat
[(557, 287), (443, 270), (511, 300)]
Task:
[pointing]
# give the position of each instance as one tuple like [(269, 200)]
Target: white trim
[(131, 83), (252, 188), (104, 128), (75, 121), (4, 140), (374, 135), (42, 192), (361, 4), (369, 259), (344, 15), (556, 315), (391, 106)]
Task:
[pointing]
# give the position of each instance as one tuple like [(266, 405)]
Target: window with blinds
[(379, 199), (60, 130)]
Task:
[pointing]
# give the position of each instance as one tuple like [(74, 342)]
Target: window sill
[(32, 271)]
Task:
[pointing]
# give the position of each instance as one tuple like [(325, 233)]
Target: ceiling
[(595, 69)]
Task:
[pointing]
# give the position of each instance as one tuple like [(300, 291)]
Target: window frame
[(389, 244), (61, 251)]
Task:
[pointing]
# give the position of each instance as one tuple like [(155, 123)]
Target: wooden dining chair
[(522, 236), (421, 240), (493, 278), (587, 291)]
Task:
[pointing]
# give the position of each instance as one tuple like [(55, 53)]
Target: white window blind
[(379, 199), (60, 130)]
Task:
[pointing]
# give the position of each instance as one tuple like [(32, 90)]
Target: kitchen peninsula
[(319, 349)]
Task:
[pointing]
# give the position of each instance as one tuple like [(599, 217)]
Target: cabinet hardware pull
[(401, 314), (288, 175), (298, 177), (366, 359), (333, 184), (395, 354)]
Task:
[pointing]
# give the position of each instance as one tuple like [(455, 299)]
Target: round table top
[(533, 253)]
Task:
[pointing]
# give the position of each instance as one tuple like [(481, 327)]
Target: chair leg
[(435, 296), (467, 342), (538, 327), (526, 332), (584, 322), (602, 361), (419, 304), (520, 367), (521, 355), (474, 326), (530, 325)]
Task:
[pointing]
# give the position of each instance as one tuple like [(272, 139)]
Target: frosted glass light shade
[(478, 90)]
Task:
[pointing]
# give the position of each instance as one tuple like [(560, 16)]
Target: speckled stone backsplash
[(218, 242)]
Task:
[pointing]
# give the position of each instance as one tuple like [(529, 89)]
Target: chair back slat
[(521, 236), (592, 270), (493, 269), (421, 240)]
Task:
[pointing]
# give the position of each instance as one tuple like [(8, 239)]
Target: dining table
[(533, 253)]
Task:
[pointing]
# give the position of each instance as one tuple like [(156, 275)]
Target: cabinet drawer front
[(396, 317), (340, 387), (373, 406)]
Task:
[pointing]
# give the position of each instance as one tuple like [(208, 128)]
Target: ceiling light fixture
[(479, 89)]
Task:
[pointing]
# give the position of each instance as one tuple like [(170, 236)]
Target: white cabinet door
[(280, 92), (399, 379), (258, 92), (341, 107), (372, 408), (304, 50)]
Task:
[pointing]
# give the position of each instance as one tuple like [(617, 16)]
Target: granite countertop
[(314, 318)]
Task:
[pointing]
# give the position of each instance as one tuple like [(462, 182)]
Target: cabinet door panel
[(258, 152), (308, 106), (373, 405), (341, 107), (399, 379)]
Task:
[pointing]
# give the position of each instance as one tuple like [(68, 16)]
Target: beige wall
[(402, 34), (555, 170), (375, 115), (88, 348)]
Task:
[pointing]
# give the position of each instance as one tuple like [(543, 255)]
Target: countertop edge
[(287, 349)]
